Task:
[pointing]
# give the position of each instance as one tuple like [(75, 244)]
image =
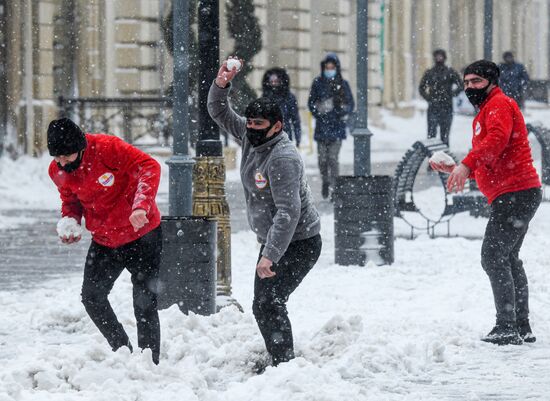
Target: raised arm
[(218, 103)]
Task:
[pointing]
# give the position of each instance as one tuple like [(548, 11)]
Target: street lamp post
[(363, 203), (209, 198), (488, 30), (181, 164), (361, 133)]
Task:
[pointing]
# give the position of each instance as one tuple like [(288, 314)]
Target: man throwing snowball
[(113, 186), (501, 163), (279, 207)]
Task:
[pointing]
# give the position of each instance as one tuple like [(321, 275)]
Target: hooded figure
[(331, 103), (276, 86)]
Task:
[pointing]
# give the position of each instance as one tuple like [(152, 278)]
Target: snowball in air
[(441, 157), (67, 226), (233, 63)]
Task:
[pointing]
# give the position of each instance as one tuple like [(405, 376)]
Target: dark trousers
[(103, 266), (328, 153), (271, 296), (441, 117), (506, 229)]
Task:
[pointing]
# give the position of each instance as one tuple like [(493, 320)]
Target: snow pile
[(400, 332), (68, 226)]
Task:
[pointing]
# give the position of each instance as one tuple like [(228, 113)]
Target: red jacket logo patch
[(107, 179)]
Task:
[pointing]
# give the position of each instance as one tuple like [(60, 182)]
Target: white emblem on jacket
[(478, 128), (261, 181), (107, 179)]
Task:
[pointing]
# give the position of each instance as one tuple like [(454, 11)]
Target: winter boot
[(325, 189), (503, 334), (525, 332)]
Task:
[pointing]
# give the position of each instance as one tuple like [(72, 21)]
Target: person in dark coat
[(513, 79), (331, 103), (276, 86), (438, 86)]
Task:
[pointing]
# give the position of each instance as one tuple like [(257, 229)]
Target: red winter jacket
[(500, 159), (113, 179)]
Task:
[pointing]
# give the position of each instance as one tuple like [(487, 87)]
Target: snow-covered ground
[(409, 331)]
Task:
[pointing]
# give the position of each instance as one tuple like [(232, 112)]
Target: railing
[(142, 121)]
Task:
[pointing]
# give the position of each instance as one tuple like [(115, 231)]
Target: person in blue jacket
[(276, 86), (513, 79), (331, 103)]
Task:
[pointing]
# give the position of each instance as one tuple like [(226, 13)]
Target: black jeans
[(103, 266), (442, 117), (506, 229), (328, 154), (271, 296)]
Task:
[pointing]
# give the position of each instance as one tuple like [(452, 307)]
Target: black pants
[(441, 117), (327, 157), (271, 296), (103, 266), (506, 229)]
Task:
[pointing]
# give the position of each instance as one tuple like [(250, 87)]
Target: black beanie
[(65, 138), (485, 69), (264, 108)]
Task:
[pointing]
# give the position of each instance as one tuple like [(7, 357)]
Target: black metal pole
[(209, 143), (361, 133), (3, 75), (180, 195), (488, 30)]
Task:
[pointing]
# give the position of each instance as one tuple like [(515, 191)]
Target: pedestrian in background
[(112, 185), (438, 86), (513, 79), (502, 164), (276, 86), (331, 103)]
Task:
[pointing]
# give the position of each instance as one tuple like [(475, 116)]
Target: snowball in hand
[(67, 226), (441, 157), (233, 63)]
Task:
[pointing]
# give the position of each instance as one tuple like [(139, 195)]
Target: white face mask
[(329, 74)]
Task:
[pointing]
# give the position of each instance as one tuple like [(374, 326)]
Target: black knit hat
[(485, 69), (65, 138), (264, 107)]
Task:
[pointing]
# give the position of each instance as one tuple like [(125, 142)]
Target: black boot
[(325, 189), (503, 334), (525, 332)]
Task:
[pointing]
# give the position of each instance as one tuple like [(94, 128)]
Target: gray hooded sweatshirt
[(279, 204)]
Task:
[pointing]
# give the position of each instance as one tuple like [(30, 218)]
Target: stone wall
[(107, 48)]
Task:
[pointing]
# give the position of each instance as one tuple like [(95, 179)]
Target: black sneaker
[(325, 190), (503, 334), (525, 332)]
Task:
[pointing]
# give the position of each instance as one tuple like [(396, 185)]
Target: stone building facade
[(114, 48)]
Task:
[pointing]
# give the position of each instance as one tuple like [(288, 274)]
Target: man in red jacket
[(501, 163), (113, 186)]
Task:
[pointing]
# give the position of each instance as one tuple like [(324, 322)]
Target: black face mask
[(258, 137), (476, 96), (72, 166)]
